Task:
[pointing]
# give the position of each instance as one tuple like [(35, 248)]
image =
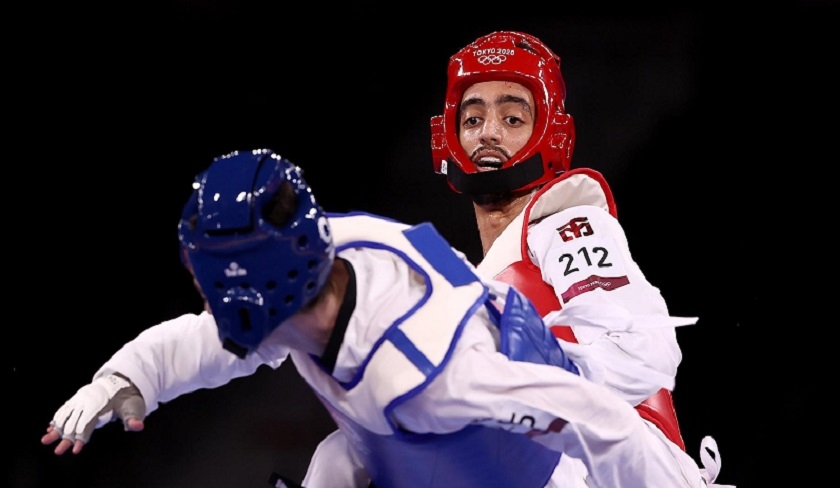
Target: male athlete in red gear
[(506, 141), (474, 145)]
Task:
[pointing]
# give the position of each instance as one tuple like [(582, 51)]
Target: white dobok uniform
[(568, 253), (441, 379)]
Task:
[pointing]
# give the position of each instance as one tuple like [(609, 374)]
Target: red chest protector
[(525, 276)]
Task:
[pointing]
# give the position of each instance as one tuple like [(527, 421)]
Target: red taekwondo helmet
[(521, 58)]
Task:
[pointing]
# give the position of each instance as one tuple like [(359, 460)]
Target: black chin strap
[(497, 181), (235, 348)]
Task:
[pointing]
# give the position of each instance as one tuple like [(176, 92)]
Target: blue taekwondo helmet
[(254, 274)]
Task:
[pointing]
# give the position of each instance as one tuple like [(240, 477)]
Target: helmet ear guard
[(255, 268), (524, 59)]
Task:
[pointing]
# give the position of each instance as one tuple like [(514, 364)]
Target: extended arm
[(165, 361), (182, 355), (556, 408)]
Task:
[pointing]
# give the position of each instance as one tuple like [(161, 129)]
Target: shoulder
[(579, 187), (580, 215), (582, 224)]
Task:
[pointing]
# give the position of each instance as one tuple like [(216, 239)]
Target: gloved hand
[(94, 405)]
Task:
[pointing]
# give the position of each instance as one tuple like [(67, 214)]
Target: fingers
[(65, 445), (93, 406), (74, 425), (79, 426), (53, 434), (77, 446), (134, 425), (129, 404), (84, 436), (130, 407)]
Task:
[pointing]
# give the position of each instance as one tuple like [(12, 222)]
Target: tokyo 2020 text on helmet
[(506, 56), (254, 271)]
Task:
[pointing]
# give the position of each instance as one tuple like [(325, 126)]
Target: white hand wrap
[(90, 408)]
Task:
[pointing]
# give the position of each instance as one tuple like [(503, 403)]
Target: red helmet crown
[(506, 56)]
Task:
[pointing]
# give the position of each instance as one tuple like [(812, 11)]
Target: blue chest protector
[(475, 456)]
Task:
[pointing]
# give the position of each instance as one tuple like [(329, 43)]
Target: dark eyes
[(510, 120), (470, 121)]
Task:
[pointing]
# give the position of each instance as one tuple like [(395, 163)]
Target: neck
[(493, 215)]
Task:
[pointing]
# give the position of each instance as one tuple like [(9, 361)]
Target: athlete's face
[(496, 120)]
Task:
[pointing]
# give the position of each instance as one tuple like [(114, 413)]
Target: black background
[(703, 120)]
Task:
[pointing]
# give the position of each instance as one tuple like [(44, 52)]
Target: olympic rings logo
[(492, 59)]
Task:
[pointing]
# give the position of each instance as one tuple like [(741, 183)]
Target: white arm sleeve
[(626, 337), (556, 408), (183, 355)]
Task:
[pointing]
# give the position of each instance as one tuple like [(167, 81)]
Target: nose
[(491, 132)]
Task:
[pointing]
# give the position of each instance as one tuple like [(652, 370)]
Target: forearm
[(634, 359), (176, 357)]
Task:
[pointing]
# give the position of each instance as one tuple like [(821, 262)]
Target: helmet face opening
[(257, 243), (524, 59)]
